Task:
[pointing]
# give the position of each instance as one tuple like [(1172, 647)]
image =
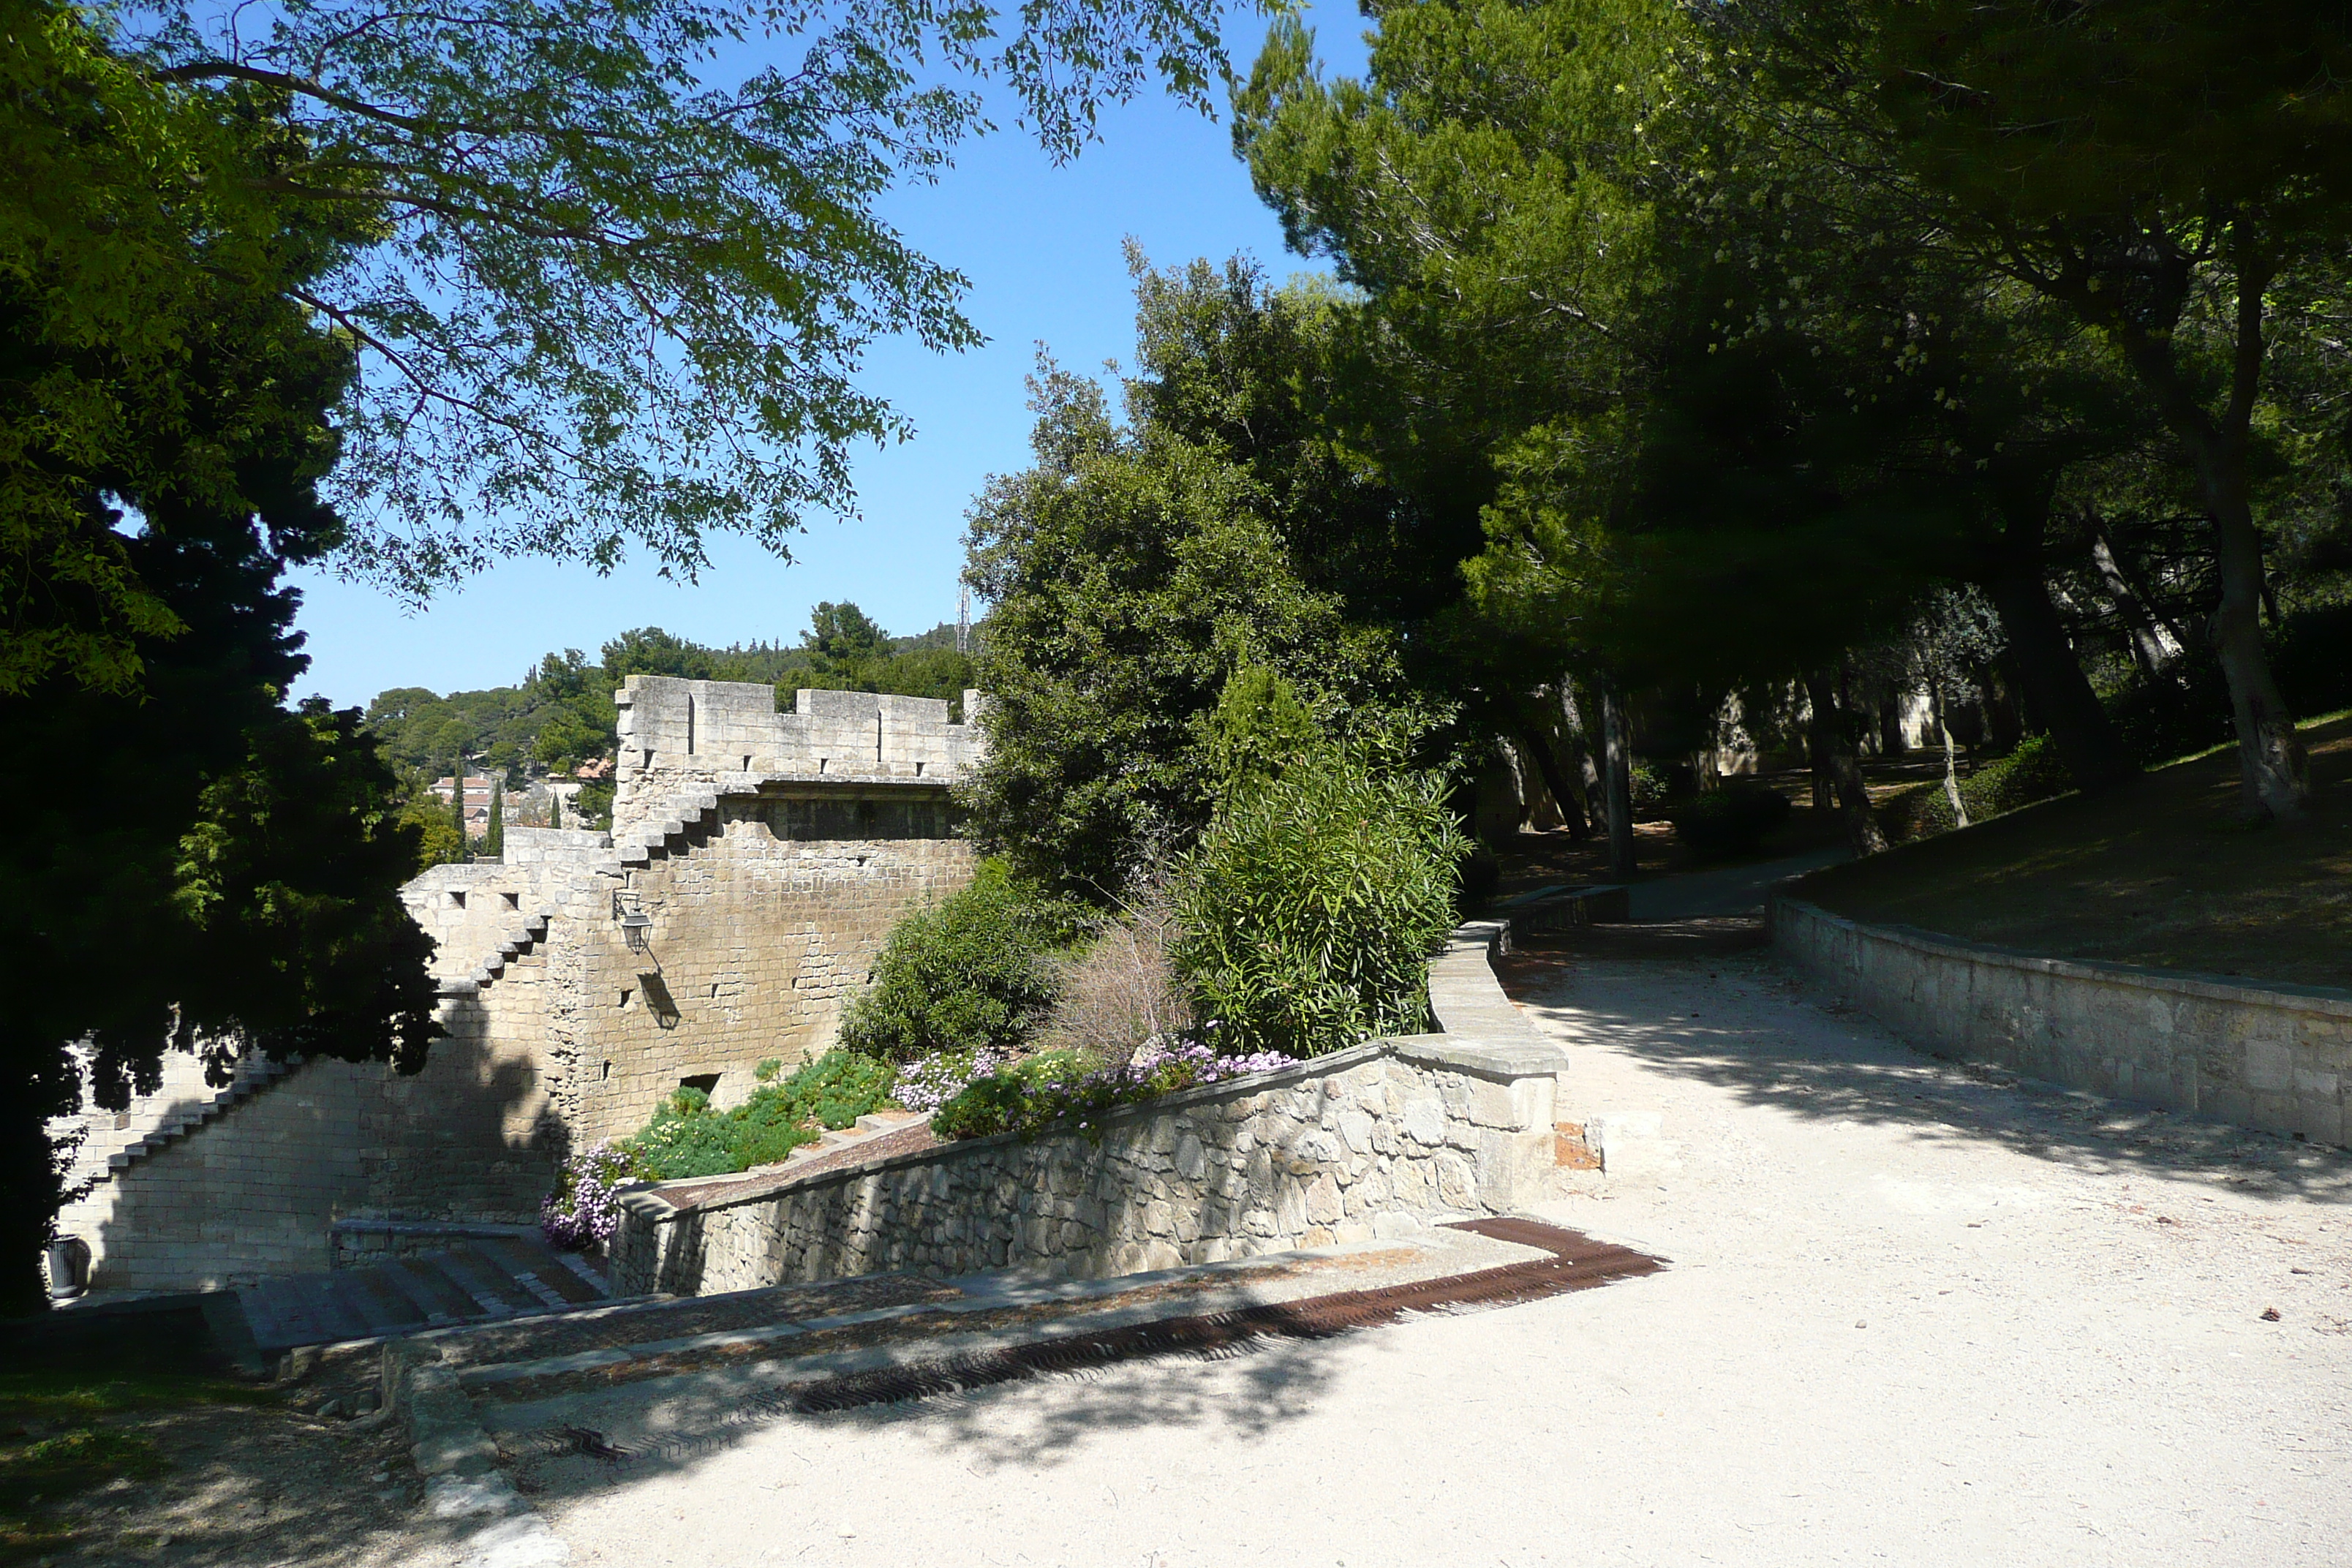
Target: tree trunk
[(1862, 832), (1563, 796), (2057, 689), (1951, 759), (2274, 772), (2147, 642), (1617, 744), (1590, 790), (34, 1085), (1816, 744)]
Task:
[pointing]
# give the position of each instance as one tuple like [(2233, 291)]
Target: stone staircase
[(477, 1280), (514, 942), (264, 1072), (115, 1142), (689, 816)]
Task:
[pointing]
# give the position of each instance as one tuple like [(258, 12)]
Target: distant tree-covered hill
[(561, 714)]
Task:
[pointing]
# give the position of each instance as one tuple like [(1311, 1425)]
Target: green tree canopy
[(2171, 172), (222, 874), (1135, 568)]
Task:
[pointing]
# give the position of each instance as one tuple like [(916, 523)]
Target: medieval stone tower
[(756, 861)]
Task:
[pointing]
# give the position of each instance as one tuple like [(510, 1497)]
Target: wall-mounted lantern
[(637, 926)]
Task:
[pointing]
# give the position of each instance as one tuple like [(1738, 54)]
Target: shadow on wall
[(1810, 1055), (255, 1192), (475, 1135), (658, 999)]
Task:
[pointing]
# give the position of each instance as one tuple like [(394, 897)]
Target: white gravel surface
[(1915, 1316)]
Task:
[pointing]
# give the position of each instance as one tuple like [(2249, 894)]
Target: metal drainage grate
[(1577, 1262)]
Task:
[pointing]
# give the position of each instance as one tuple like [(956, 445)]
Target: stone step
[(475, 1281)]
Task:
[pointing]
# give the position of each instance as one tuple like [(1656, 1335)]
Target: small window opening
[(624, 995), (714, 988), (820, 762), (746, 762), (608, 1069), (458, 899), (514, 901), (708, 1082), (918, 770)]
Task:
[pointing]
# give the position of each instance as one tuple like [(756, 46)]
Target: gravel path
[(1915, 1316)]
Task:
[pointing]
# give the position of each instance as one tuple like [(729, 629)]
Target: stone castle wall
[(678, 736), (769, 892), (757, 941)]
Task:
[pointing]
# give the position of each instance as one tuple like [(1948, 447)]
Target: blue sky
[(1042, 247)]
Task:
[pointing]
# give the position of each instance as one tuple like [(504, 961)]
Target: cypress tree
[(494, 837)]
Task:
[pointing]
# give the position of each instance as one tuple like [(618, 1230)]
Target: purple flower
[(584, 1209)]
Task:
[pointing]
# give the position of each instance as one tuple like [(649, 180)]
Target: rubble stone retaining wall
[(1365, 1142), (2276, 1058)]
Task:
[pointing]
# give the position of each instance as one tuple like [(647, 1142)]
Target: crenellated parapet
[(727, 737)]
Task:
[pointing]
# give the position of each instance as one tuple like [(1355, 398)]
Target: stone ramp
[(476, 1281)]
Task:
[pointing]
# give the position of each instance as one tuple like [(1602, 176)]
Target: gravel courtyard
[(1914, 1315)]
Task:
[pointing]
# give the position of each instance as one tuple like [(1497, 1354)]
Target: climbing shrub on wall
[(1311, 907)]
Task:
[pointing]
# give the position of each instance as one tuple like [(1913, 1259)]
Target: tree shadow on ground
[(215, 1473), (1646, 992), (670, 1426)]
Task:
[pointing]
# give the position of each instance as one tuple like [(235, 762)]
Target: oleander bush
[(1310, 905)]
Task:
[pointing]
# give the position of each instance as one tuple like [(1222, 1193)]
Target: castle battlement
[(727, 736)]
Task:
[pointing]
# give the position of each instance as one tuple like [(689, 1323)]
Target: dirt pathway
[(1915, 1316)]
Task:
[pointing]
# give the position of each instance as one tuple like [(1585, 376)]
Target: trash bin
[(68, 1268)]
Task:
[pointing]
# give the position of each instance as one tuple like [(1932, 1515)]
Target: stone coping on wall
[(2271, 1056), (1468, 1000), (2324, 1000), (1499, 1062)]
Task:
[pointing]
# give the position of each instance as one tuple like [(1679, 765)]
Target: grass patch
[(2161, 872), (65, 1432)]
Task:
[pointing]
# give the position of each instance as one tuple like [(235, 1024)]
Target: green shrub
[(1648, 786), (1020, 1098), (1060, 1086), (686, 1138), (1311, 907), (2032, 772), (972, 973), (1733, 820)]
